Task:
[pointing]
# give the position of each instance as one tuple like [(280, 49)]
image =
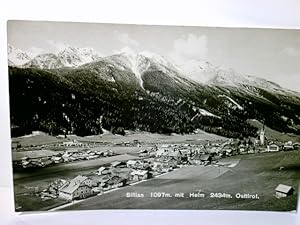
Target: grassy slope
[(273, 134), (143, 137), (255, 174), (34, 140)]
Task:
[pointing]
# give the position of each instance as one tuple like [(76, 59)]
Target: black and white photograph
[(124, 116)]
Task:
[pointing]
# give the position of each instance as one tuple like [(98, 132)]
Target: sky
[(273, 54)]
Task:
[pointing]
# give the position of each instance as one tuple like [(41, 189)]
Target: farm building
[(117, 164), (174, 155), (103, 170), (102, 180), (283, 191), (228, 149), (185, 152), (165, 145), (46, 162), (112, 182), (157, 166), (144, 153), (123, 172), (273, 148), (71, 143), (57, 159), (171, 163), (25, 163), (242, 148), (78, 188), (36, 162), (54, 187), (164, 165), (288, 146), (138, 164), (200, 159), (162, 152), (66, 156), (131, 163), (206, 158), (137, 175)]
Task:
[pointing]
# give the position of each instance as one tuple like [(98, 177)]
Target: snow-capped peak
[(128, 52), (205, 73), (140, 62), (155, 57), (74, 57), (198, 70), (134, 59), (17, 57), (45, 61), (234, 79)]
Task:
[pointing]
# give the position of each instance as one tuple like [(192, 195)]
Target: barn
[(283, 191)]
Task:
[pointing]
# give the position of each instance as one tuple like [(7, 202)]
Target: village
[(74, 150), (149, 163)]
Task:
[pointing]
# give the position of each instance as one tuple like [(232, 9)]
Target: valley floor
[(250, 174), (254, 174), (215, 187)]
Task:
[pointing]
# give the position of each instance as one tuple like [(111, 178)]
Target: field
[(31, 140), (32, 154), (31, 202), (73, 167), (254, 174), (143, 137)]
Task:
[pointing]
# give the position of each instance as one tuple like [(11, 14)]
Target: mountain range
[(69, 57), (78, 91)]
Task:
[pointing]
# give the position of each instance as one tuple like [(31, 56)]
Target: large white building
[(78, 188)]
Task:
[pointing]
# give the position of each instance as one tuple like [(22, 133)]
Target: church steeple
[(262, 135)]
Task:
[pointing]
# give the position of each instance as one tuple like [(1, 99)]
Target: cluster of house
[(174, 155), (66, 156), (134, 143), (163, 159), (270, 147), (208, 153), (79, 187), (117, 174), (114, 175)]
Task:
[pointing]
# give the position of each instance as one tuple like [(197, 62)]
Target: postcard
[(119, 116)]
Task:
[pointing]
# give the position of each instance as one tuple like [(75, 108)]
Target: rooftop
[(139, 172), (283, 188), (74, 184)]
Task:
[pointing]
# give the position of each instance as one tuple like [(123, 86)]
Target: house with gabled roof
[(288, 146), (112, 182), (117, 164), (131, 163), (282, 191), (137, 175), (103, 170), (272, 148), (161, 152), (78, 188)]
